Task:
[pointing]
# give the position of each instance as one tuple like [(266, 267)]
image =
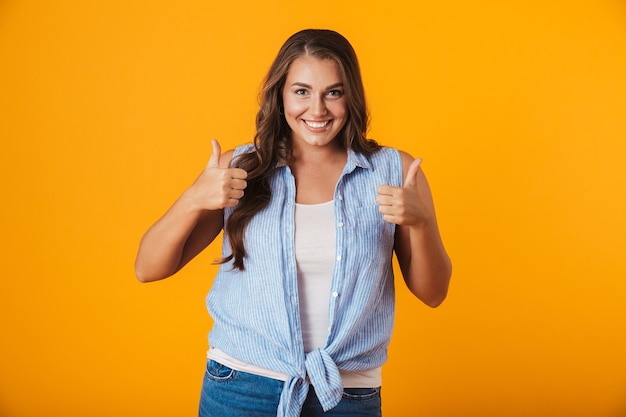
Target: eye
[(335, 93), (301, 92)]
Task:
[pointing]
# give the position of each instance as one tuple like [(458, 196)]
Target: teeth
[(317, 124)]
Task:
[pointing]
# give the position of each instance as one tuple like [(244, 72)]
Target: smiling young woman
[(312, 213)]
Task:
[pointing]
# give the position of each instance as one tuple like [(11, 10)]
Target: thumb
[(411, 175), (214, 161)]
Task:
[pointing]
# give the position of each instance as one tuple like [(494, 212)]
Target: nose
[(318, 106)]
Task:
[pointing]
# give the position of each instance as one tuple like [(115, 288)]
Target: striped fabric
[(256, 313)]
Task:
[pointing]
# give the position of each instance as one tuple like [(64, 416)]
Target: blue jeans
[(230, 393)]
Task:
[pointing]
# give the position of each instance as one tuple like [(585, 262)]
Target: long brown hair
[(272, 142)]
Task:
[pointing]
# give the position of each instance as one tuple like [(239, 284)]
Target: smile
[(317, 125)]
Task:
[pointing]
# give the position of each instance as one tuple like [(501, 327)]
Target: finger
[(386, 209), (390, 218), (214, 161), (232, 202), (238, 173), (385, 189), (411, 174), (235, 194), (237, 184), (385, 200)]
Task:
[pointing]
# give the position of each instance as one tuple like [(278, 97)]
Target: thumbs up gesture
[(405, 205), (219, 186)]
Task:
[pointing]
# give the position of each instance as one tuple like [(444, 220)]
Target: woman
[(312, 213)]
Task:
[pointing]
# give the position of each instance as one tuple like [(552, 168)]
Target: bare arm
[(192, 222), (423, 260)]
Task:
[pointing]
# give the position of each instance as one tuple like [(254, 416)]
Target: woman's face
[(314, 102)]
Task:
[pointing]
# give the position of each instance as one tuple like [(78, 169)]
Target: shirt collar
[(357, 160), (354, 160)]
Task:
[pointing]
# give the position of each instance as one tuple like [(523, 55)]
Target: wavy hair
[(272, 142)]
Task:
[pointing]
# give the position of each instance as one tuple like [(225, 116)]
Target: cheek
[(338, 109), (291, 107), (291, 113)]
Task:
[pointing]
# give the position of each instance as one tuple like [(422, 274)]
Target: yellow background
[(517, 107)]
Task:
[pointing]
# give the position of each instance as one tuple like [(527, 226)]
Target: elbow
[(149, 269), (145, 276), (433, 296), (434, 301), (142, 276)]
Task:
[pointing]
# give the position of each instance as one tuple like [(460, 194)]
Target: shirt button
[(335, 294), (340, 224), (340, 198), (339, 257)]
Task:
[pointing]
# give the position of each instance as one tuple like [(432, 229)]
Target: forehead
[(314, 70)]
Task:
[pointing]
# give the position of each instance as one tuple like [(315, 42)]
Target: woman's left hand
[(404, 205)]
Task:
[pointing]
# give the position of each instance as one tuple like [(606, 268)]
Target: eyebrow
[(330, 87)]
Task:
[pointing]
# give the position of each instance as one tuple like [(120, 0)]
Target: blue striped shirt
[(256, 313)]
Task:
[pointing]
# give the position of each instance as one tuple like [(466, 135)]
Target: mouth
[(317, 125)]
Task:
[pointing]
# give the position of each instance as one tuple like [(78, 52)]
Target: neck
[(319, 154)]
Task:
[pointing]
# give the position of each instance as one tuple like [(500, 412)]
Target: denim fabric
[(230, 393), (355, 402)]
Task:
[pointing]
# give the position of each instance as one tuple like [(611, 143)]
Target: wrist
[(191, 202)]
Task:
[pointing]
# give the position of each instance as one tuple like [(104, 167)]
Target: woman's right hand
[(193, 221), (218, 186)]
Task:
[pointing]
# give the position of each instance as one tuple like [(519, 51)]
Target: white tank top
[(315, 260)]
